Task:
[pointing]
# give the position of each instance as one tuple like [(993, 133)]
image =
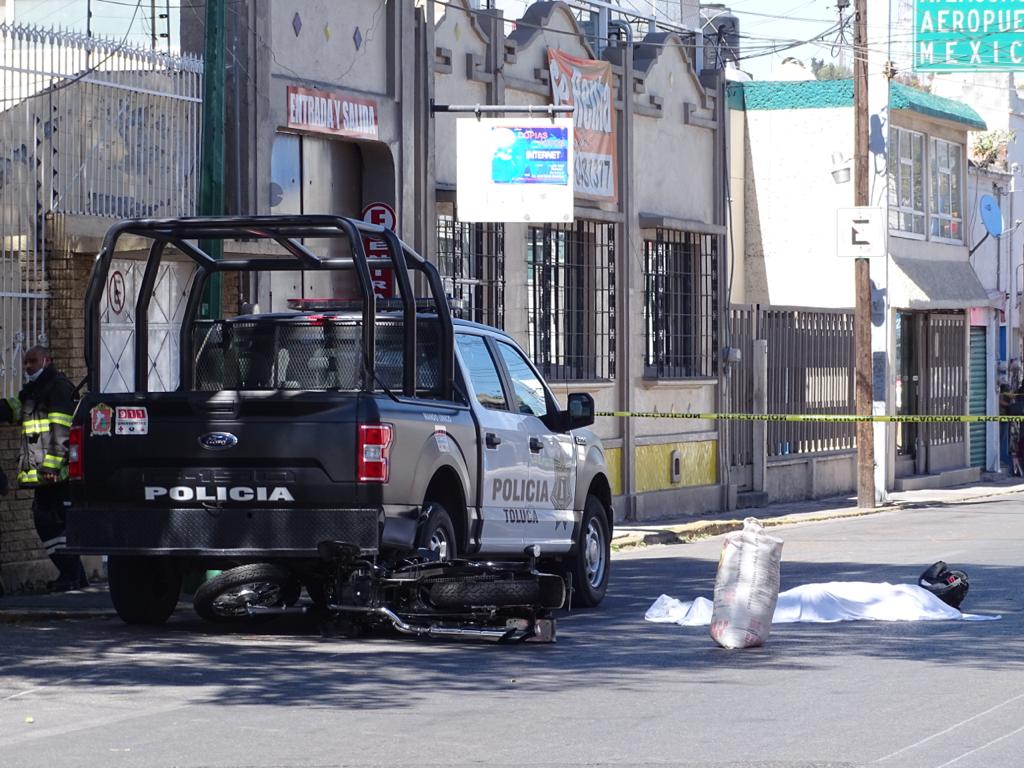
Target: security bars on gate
[(288, 232)]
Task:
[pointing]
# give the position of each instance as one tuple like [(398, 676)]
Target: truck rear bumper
[(234, 531)]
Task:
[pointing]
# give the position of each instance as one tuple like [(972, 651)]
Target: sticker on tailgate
[(101, 418), (131, 420)]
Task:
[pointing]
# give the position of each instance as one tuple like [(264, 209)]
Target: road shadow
[(287, 663)]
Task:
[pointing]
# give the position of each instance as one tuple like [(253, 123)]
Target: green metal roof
[(825, 94)]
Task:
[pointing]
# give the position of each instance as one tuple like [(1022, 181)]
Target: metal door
[(977, 394), (505, 491), (552, 457)]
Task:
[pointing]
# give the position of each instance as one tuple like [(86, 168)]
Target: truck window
[(483, 374), (528, 392), (319, 354)]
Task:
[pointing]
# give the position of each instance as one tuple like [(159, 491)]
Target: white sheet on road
[(823, 603)]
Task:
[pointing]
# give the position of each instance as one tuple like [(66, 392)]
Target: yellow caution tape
[(838, 417)]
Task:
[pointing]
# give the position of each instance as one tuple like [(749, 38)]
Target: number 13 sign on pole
[(382, 215)]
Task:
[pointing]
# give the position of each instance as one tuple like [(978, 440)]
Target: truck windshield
[(321, 354)]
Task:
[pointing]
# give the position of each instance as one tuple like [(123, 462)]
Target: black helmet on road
[(950, 586)]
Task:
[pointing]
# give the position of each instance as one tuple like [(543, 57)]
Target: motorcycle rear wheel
[(227, 596)]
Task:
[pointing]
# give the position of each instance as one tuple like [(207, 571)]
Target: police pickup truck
[(383, 424)]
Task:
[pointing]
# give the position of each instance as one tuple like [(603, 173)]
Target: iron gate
[(87, 126)]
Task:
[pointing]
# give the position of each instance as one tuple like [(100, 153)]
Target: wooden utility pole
[(862, 275)]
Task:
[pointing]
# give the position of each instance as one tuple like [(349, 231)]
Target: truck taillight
[(76, 454), (373, 453)]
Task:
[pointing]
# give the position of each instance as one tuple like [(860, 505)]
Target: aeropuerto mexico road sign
[(968, 35)]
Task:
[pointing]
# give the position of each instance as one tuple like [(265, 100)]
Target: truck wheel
[(437, 533), (591, 562), (227, 596), (144, 590), (470, 594)]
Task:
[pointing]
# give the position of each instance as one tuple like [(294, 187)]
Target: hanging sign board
[(587, 85), (333, 113), (382, 215), (512, 169), (955, 36), (860, 232)]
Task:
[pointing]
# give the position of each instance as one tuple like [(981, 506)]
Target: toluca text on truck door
[(332, 445)]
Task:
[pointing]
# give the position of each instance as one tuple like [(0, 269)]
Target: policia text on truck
[(341, 437)]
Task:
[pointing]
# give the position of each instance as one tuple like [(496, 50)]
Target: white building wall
[(791, 204)]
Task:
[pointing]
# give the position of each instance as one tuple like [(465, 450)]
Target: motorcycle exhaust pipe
[(431, 630)]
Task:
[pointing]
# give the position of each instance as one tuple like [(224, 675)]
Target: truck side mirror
[(580, 411)]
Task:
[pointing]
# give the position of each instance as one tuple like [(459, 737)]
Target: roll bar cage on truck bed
[(287, 232)]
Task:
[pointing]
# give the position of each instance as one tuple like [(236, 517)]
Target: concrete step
[(749, 499), (945, 479)]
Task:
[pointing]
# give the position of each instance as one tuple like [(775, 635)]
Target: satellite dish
[(991, 216)]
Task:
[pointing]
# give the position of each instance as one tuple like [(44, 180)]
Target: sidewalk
[(94, 601)]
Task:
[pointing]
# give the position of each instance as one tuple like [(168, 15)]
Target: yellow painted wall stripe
[(804, 417)]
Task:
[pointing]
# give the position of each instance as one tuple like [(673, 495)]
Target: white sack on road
[(824, 603), (746, 587)]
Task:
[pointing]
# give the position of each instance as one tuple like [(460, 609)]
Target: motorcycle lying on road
[(419, 594)]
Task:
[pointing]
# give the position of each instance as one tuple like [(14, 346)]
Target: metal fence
[(742, 332), (87, 126), (810, 371)]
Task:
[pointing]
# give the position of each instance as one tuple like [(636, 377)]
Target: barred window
[(471, 260), (680, 305), (571, 300)]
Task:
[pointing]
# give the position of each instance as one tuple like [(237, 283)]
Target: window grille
[(471, 259), (681, 304), (571, 300)]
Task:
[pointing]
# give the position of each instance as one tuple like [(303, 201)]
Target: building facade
[(924, 288), (625, 301)]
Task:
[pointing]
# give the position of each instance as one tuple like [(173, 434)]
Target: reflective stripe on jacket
[(45, 407)]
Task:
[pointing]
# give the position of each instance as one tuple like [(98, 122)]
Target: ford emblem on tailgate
[(218, 441)]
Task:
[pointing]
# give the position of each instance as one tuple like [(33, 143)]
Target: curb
[(17, 616)]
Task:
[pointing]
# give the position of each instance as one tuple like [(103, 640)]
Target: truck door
[(505, 456), (552, 456)]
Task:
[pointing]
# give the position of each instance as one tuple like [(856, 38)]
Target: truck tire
[(144, 590), (227, 596), (500, 593), (437, 533), (589, 565)]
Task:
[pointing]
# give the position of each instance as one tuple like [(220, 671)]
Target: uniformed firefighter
[(44, 408)]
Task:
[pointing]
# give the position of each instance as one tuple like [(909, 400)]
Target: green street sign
[(968, 35)]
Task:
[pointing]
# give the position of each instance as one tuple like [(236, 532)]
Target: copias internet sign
[(968, 35)]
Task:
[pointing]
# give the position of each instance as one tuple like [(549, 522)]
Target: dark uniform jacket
[(44, 407)]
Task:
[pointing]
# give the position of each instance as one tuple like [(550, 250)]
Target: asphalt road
[(614, 690)]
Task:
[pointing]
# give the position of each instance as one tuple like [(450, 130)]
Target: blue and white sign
[(511, 169), (530, 155)]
